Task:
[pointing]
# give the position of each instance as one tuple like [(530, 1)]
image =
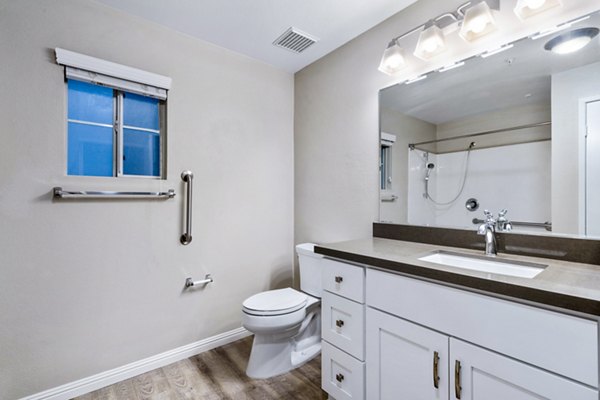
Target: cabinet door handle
[(338, 279), (436, 375), (457, 388), (339, 377), (339, 323)]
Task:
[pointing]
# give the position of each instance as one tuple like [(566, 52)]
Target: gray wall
[(87, 286)]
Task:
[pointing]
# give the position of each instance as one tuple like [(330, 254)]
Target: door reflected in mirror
[(519, 130)]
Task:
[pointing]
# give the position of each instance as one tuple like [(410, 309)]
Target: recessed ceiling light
[(572, 41)]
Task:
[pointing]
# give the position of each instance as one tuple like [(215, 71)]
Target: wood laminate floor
[(216, 374)]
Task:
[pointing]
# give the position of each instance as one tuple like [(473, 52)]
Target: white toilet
[(286, 323)]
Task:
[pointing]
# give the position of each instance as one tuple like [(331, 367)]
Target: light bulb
[(431, 43), (393, 59), (571, 41), (529, 8), (571, 46), (535, 4), (478, 24)]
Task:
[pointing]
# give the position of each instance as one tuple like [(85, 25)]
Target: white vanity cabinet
[(406, 361), (488, 348), (409, 361), (429, 341), (343, 330)]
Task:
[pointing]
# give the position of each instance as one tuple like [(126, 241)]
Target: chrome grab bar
[(185, 239), (59, 193), (545, 225), (189, 282)]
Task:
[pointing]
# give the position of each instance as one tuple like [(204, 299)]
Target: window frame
[(121, 79), (118, 126)]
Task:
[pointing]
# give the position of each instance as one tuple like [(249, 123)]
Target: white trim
[(582, 168), (97, 65), (94, 382)]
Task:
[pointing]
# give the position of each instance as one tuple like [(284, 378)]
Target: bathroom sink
[(485, 264)]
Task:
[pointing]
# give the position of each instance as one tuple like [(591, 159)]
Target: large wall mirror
[(519, 130)]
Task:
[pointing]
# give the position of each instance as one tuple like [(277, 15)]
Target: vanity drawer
[(343, 279), (343, 376), (557, 342), (343, 324)]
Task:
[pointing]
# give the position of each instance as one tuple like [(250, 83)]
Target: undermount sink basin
[(485, 264)]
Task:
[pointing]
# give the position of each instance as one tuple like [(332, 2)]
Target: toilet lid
[(275, 302)]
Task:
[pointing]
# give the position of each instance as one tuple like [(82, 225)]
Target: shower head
[(429, 166)]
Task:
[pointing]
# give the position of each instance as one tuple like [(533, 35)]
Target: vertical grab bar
[(187, 176)]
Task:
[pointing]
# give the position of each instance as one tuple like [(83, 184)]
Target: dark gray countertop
[(567, 285)]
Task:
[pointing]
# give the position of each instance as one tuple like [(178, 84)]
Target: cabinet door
[(404, 360), (479, 374)]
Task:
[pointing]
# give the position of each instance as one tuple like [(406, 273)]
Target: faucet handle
[(502, 212), (489, 217)]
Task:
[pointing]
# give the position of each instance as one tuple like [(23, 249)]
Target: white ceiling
[(250, 26)]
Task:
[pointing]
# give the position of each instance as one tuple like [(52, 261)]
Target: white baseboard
[(94, 382)]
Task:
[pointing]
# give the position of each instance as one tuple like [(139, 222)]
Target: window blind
[(106, 73)]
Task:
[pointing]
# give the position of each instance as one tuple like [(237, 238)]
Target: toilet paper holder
[(189, 282)]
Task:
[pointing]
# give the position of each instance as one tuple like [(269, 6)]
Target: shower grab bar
[(59, 193), (185, 239), (545, 225), (189, 282)]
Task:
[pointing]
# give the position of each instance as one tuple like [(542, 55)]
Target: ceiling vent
[(295, 40)]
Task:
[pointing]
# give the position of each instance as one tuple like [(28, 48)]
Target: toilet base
[(277, 354)]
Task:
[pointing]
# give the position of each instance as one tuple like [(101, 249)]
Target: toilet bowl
[(286, 323)]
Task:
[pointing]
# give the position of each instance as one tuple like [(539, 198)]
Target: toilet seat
[(275, 302)]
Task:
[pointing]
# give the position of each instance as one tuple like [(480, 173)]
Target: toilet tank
[(310, 269)]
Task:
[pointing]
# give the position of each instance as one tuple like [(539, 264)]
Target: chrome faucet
[(487, 229), (502, 223)]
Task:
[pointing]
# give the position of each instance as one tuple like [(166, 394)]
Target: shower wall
[(515, 177)]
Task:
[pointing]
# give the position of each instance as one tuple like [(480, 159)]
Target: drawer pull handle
[(339, 377), (436, 375), (338, 279), (339, 323), (457, 388)]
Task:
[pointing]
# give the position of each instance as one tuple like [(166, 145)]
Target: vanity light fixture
[(473, 21), (431, 42), (393, 58), (529, 8), (571, 41), (478, 22)]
